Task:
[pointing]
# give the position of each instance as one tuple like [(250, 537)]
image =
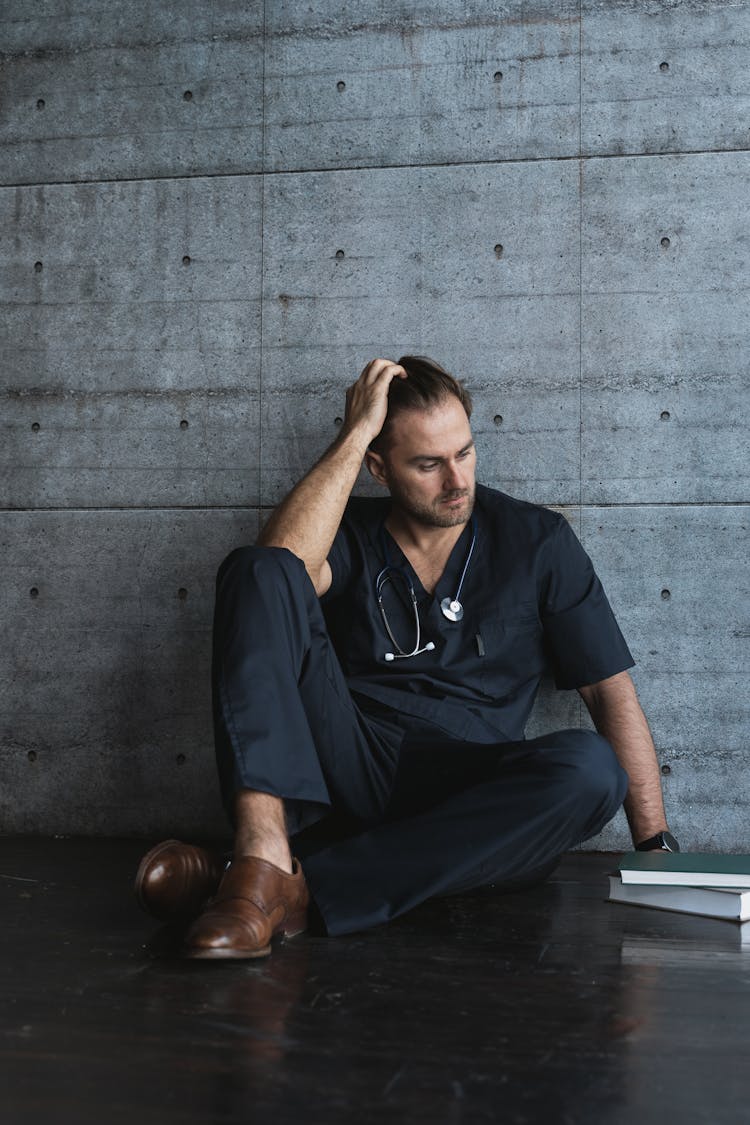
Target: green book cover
[(695, 869)]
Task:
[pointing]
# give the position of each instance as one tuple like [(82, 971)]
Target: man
[(375, 662)]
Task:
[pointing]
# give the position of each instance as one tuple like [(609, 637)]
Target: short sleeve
[(583, 639)]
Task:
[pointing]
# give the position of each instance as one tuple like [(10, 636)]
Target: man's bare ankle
[(272, 851), (261, 828)]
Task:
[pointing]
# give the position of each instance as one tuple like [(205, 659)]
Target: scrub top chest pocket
[(512, 642)]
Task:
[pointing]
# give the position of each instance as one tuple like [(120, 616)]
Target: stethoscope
[(451, 608)]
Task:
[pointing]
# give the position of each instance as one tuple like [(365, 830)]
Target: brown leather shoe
[(255, 900), (175, 880)]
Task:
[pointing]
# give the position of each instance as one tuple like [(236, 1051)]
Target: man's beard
[(434, 514)]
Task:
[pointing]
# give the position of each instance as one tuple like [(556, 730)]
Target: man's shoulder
[(501, 507), (366, 512)]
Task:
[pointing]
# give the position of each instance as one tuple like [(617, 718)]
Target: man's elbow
[(613, 687), (322, 579)]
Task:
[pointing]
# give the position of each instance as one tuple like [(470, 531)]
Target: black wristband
[(663, 840)]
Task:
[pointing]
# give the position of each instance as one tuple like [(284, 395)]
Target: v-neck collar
[(448, 581)]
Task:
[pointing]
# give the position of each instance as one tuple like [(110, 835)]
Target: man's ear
[(376, 467)]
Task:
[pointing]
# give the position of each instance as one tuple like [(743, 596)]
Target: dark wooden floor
[(548, 1005)]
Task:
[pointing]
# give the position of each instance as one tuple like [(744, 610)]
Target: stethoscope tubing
[(451, 608), (381, 580)]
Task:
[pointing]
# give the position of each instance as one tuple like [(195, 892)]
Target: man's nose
[(454, 480)]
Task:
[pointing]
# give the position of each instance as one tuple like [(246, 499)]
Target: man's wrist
[(358, 435), (662, 841)]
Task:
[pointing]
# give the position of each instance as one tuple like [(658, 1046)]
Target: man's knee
[(590, 767), (266, 566)]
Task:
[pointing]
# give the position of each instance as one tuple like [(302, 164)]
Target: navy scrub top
[(532, 602)]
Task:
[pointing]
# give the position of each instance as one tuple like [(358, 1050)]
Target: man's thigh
[(430, 771)]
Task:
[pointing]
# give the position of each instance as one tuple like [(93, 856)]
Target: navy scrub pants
[(408, 819)]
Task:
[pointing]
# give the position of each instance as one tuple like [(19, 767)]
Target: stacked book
[(690, 882)]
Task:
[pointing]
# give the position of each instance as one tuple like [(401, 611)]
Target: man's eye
[(428, 468)]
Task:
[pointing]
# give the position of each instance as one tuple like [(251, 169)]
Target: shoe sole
[(238, 954), (225, 954)]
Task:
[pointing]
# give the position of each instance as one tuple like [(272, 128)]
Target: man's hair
[(427, 385)]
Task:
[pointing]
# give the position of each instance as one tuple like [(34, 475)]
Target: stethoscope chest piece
[(452, 609)]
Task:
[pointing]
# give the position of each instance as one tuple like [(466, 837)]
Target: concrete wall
[(212, 216)]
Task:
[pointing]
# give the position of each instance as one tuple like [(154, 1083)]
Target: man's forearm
[(618, 716), (307, 520)]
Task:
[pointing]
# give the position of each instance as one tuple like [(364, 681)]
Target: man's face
[(430, 463)]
